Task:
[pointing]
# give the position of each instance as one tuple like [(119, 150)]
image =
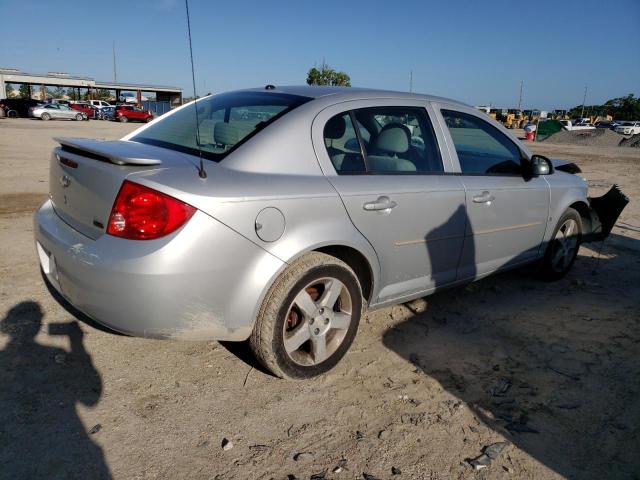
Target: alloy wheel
[(317, 321), (565, 245)]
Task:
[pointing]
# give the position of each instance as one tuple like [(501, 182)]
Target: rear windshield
[(225, 121)]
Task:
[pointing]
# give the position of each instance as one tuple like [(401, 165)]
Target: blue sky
[(474, 51)]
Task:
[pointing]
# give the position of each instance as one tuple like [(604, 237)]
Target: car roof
[(349, 93)]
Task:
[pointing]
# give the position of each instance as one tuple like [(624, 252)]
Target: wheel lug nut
[(316, 331), (321, 311), (326, 321), (312, 320)]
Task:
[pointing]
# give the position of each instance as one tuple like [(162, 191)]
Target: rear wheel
[(563, 247), (123, 119), (45, 116), (309, 317), (79, 117)]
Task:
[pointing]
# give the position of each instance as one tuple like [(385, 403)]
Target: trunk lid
[(86, 175)]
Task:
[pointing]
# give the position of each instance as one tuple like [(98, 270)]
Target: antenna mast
[(201, 171)]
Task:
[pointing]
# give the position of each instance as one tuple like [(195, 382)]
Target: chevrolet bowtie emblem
[(65, 181)]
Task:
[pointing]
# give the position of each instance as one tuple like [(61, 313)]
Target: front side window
[(482, 149), (224, 122)]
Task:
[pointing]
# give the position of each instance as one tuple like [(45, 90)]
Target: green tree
[(325, 75), (621, 108), (57, 92), (10, 90), (72, 94), (102, 94), (24, 92)]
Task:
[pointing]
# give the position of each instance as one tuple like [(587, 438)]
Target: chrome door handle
[(382, 204), (486, 197)]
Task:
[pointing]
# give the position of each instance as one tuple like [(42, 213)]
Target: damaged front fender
[(604, 212)]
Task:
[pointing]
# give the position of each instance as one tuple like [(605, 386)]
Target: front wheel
[(309, 317), (123, 119), (79, 117), (563, 248)]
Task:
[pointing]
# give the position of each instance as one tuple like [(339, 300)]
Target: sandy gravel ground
[(551, 368)]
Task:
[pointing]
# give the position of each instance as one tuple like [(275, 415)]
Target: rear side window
[(395, 140), (400, 140), (482, 149), (224, 122), (342, 145)]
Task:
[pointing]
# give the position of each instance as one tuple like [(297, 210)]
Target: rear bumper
[(605, 211), (202, 282)]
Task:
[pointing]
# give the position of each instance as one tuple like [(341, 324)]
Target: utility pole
[(115, 76), (520, 99), (410, 81), (584, 99)]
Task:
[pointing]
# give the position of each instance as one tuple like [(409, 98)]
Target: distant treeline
[(622, 108)]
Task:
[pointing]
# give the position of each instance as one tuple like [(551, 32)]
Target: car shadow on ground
[(554, 367), (41, 435)]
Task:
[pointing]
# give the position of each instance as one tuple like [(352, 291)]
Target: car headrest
[(393, 138), (225, 134), (335, 128)]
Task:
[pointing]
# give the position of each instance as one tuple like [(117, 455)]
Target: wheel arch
[(585, 215), (358, 263)]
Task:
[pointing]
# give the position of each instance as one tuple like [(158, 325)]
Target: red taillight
[(141, 213)]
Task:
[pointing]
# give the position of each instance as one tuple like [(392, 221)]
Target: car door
[(54, 111), (507, 210), (383, 158), (68, 112)]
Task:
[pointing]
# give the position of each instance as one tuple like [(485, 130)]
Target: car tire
[(45, 117), (79, 117), (123, 119), (150, 119), (12, 114), (287, 338), (563, 247)]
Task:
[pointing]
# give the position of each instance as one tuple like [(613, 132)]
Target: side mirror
[(541, 165)]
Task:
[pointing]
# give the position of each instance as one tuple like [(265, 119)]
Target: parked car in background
[(56, 111), (298, 221), (126, 113), (105, 113), (628, 128), (19, 107), (605, 124), (569, 125), (85, 108), (98, 103)]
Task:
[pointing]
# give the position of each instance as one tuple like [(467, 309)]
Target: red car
[(85, 108), (125, 113)]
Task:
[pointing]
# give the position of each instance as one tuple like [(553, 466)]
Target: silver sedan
[(278, 215), (56, 111)]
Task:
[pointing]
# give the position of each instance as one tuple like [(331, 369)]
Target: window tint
[(481, 148), (399, 139), (342, 144), (224, 122)]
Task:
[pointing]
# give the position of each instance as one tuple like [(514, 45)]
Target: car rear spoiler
[(604, 212), (119, 152)]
